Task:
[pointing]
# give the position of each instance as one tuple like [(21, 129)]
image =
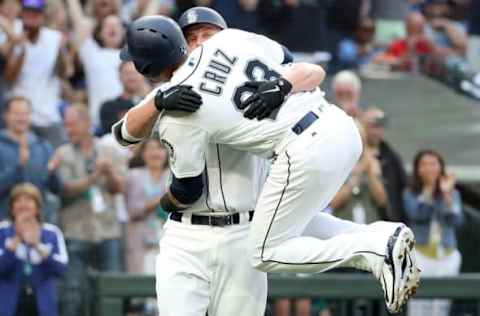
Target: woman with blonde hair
[(32, 257)]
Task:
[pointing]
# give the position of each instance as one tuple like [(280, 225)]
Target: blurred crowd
[(73, 201)]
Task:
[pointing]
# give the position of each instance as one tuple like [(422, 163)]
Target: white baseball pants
[(306, 175), (202, 268)]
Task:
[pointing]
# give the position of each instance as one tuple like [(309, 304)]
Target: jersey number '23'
[(255, 71)]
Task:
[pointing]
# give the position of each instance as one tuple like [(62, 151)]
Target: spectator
[(474, 35), (134, 89), (88, 216), (359, 51), (56, 18), (347, 89), (9, 11), (406, 54), (10, 29), (99, 59), (448, 36), (32, 257), (143, 189), (392, 171), (24, 157), (434, 211), (449, 62), (33, 69), (362, 198)]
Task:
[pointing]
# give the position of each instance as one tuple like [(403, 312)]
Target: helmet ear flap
[(153, 70), (150, 69), (142, 68)]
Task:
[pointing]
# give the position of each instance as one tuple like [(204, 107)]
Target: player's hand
[(178, 98), (269, 95)]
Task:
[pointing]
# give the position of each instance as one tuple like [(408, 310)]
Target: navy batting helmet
[(154, 43), (198, 15)]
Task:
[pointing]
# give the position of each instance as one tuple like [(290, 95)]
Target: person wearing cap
[(391, 168), (32, 257), (33, 70)]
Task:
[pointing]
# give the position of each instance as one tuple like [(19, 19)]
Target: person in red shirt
[(403, 53)]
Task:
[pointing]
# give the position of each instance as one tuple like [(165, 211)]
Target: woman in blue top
[(32, 257), (433, 209)]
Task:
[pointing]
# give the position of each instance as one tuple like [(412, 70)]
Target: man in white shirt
[(34, 68)]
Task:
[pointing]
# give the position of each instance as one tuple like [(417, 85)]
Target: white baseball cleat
[(400, 275)]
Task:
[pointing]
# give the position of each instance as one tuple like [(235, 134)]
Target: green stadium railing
[(108, 292)]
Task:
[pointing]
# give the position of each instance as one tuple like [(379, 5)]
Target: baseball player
[(203, 259), (313, 143)]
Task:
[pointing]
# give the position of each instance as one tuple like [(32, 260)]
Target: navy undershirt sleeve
[(187, 190)]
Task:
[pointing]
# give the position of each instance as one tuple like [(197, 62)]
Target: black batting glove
[(267, 97), (178, 98)]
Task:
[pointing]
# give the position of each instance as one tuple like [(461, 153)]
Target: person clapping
[(434, 210), (32, 256)]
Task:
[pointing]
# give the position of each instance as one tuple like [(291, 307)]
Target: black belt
[(220, 220), (304, 123)]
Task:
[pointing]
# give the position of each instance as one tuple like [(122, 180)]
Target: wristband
[(285, 86), (121, 134)]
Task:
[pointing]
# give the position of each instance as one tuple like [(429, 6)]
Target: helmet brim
[(125, 54)]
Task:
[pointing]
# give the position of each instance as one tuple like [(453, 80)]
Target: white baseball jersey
[(233, 179), (218, 70)]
